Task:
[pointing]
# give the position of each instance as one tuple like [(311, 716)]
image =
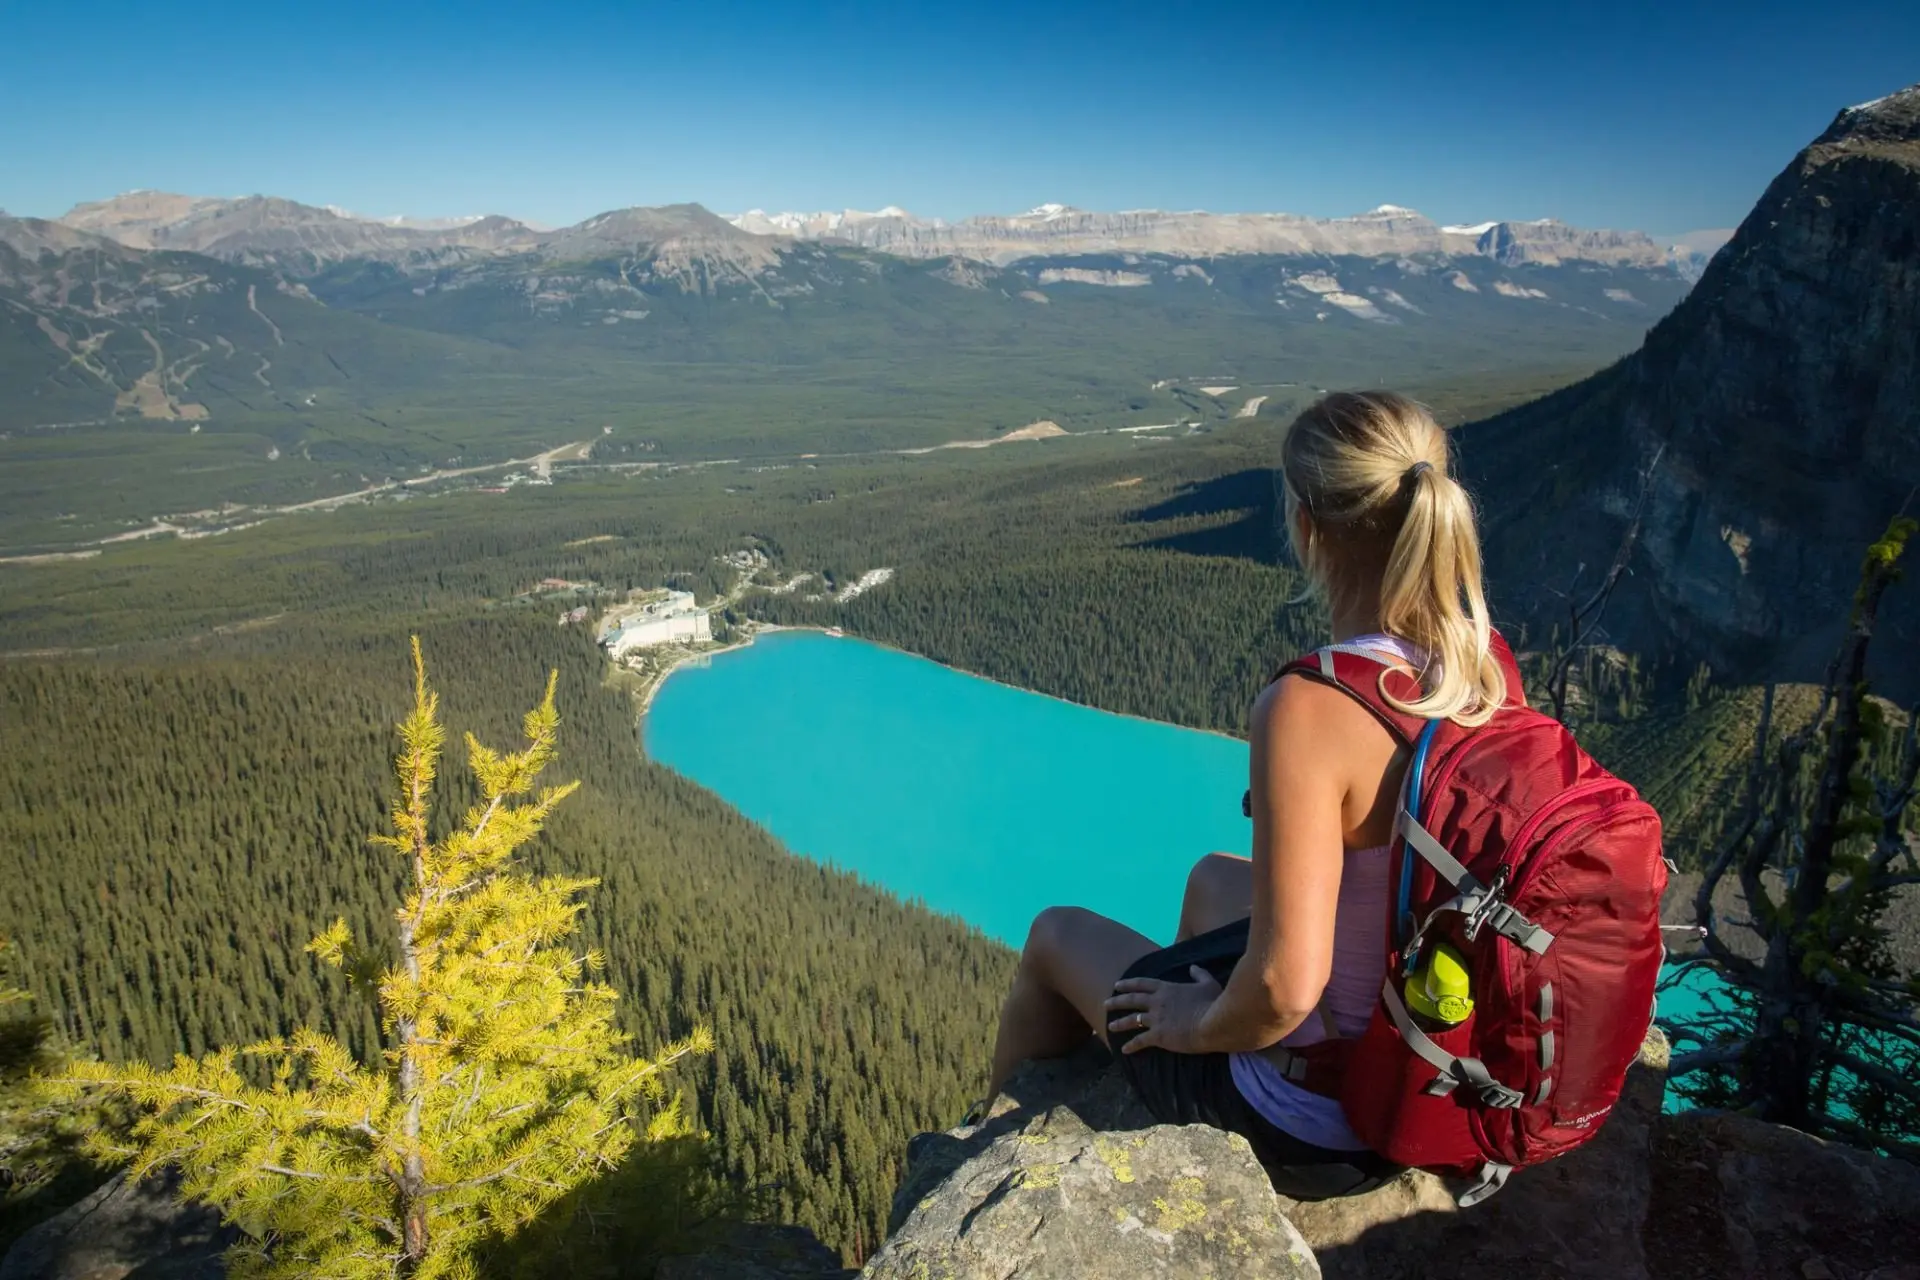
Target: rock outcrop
[(1034, 1192), (1058, 1200), (1074, 1181), (124, 1229), (1782, 399)]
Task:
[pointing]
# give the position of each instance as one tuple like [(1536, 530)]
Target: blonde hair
[(1391, 535)]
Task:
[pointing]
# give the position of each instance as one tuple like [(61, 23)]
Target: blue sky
[(1661, 117)]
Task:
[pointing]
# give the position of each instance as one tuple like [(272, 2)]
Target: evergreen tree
[(503, 1083)]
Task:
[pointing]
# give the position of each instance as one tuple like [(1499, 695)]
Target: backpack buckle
[(1479, 907), (1487, 908)]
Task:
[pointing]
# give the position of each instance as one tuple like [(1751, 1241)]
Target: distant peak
[(1911, 91), (1392, 208), (1477, 229), (1048, 211), (1892, 119)]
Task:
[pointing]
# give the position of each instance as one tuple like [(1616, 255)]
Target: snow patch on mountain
[(1392, 298), (813, 225), (405, 222), (1327, 288), (1508, 289), (1082, 275)]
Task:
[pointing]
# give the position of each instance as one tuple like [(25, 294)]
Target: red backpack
[(1545, 872)]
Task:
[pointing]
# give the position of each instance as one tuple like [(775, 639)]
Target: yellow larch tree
[(503, 1083)]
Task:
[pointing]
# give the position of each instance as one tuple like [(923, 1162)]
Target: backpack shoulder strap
[(1365, 676)]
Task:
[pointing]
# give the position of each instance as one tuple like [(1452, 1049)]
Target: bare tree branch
[(1892, 1081), (285, 1172), (1743, 969), (1862, 1137), (1583, 619)]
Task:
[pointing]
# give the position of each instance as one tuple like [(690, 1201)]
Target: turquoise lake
[(978, 799)]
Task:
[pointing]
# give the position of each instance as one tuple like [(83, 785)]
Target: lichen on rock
[(1044, 1195)]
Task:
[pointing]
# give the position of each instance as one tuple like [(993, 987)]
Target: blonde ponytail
[(1390, 534)]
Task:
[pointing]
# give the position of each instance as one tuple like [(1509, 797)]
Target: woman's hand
[(1167, 1014)]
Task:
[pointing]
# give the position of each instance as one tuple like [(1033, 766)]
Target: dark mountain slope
[(1783, 400)]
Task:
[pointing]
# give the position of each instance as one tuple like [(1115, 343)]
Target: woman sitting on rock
[(1386, 537)]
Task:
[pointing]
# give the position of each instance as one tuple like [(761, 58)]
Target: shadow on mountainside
[(1198, 530)]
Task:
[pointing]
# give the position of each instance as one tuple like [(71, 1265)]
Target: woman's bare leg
[(1067, 970), (1219, 891)]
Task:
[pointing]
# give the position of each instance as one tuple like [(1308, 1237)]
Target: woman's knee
[(1220, 879), (1219, 891), (1052, 932)]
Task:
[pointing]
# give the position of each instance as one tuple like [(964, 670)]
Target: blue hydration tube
[(1416, 777)]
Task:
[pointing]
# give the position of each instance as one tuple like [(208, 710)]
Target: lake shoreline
[(771, 628)]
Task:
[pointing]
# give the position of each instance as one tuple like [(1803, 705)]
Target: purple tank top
[(1359, 967)]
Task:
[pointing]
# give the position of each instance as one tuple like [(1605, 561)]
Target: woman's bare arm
[(1303, 758)]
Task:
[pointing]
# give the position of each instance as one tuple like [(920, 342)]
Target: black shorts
[(1198, 1088)]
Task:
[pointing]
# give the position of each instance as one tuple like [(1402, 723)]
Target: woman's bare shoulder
[(1296, 700), (1301, 714)]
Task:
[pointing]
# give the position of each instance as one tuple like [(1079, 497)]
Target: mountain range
[(1388, 230), (267, 229), (204, 351), (164, 305)]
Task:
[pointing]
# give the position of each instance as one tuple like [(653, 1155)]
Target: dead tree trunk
[(1807, 808)]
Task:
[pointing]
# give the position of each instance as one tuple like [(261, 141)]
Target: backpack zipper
[(1508, 970), (1450, 765), (1533, 824)]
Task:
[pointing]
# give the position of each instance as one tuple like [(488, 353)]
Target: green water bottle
[(1438, 992)]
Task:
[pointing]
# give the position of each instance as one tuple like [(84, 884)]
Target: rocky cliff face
[(1782, 399), (1071, 1178), (1550, 242)]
